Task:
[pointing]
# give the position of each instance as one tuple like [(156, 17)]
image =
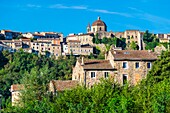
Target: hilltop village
[(125, 56)]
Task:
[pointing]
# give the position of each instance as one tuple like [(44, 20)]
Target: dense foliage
[(150, 40), (15, 66), (150, 95), (118, 42)]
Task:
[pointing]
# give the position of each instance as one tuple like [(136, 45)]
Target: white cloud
[(60, 6), (159, 22), (81, 7), (33, 6), (111, 12)]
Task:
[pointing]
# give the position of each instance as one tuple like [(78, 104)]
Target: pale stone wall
[(85, 39), (99, 76), (134, 74), (98, 28), (86, 51), (78, 73), (15, 97)]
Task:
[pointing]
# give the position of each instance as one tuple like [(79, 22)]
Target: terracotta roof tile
[(96, 64), (61, 85), (17, 87), (74, 41), (98, 23), (133, 55)]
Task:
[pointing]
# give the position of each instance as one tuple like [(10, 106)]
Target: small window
[(93, 74), (125, 77), (93, 29), (100, 28), (137, 64), (125, 65), (149, 65), (106, 74)]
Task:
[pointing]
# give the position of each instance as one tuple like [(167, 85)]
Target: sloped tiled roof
[(61, 85), (96, 64), (133, 55), (17, 87), (74, 41)]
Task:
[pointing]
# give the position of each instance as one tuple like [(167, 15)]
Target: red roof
[(133, 55), (17, 87), (98, 23), (61, 85), (74, 41), (96, 64)]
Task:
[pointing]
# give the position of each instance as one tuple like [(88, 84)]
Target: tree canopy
[(152, 94)]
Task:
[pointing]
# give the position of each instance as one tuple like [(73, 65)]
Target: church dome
[(98, 22)]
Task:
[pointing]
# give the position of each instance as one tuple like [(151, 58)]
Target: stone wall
[(99, 75), (134, 74)]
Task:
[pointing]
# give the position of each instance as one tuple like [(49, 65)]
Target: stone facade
[(98, 25), (133, 66), (122, 65), (83, 38), (132, 35), (50, 45), (89, 76), (16, 93)]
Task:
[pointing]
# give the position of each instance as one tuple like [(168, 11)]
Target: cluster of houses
[(123, 65)]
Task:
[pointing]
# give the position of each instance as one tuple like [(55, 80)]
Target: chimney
[(82, 61)]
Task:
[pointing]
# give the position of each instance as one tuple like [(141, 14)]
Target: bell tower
[(88, 28)]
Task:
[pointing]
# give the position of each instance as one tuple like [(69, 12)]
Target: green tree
[(133, 46)]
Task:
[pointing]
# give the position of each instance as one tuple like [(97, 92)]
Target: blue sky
[(72, 16)]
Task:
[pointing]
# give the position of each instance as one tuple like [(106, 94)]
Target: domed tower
[(88, 28), (98, 25)]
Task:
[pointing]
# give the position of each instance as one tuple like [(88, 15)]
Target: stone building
[(9, 35), (16, 90), (83, 38), (132, 36), (123, 65), (54, 86), (131, 65), (98, 25), (75, 47), (61, 85), (86, 49), (88, 72), (14, 44), (43, 46)]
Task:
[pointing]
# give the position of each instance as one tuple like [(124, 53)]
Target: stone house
[(86, 49), (54, 86), (88, 72), (132, 35), (16, 90), (47, 46), (61, 85), (9, 35), (123, 65), (83, 38), (131, 65), (14, 44)]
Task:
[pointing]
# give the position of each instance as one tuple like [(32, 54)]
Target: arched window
[(100, 28), (93, 29)]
